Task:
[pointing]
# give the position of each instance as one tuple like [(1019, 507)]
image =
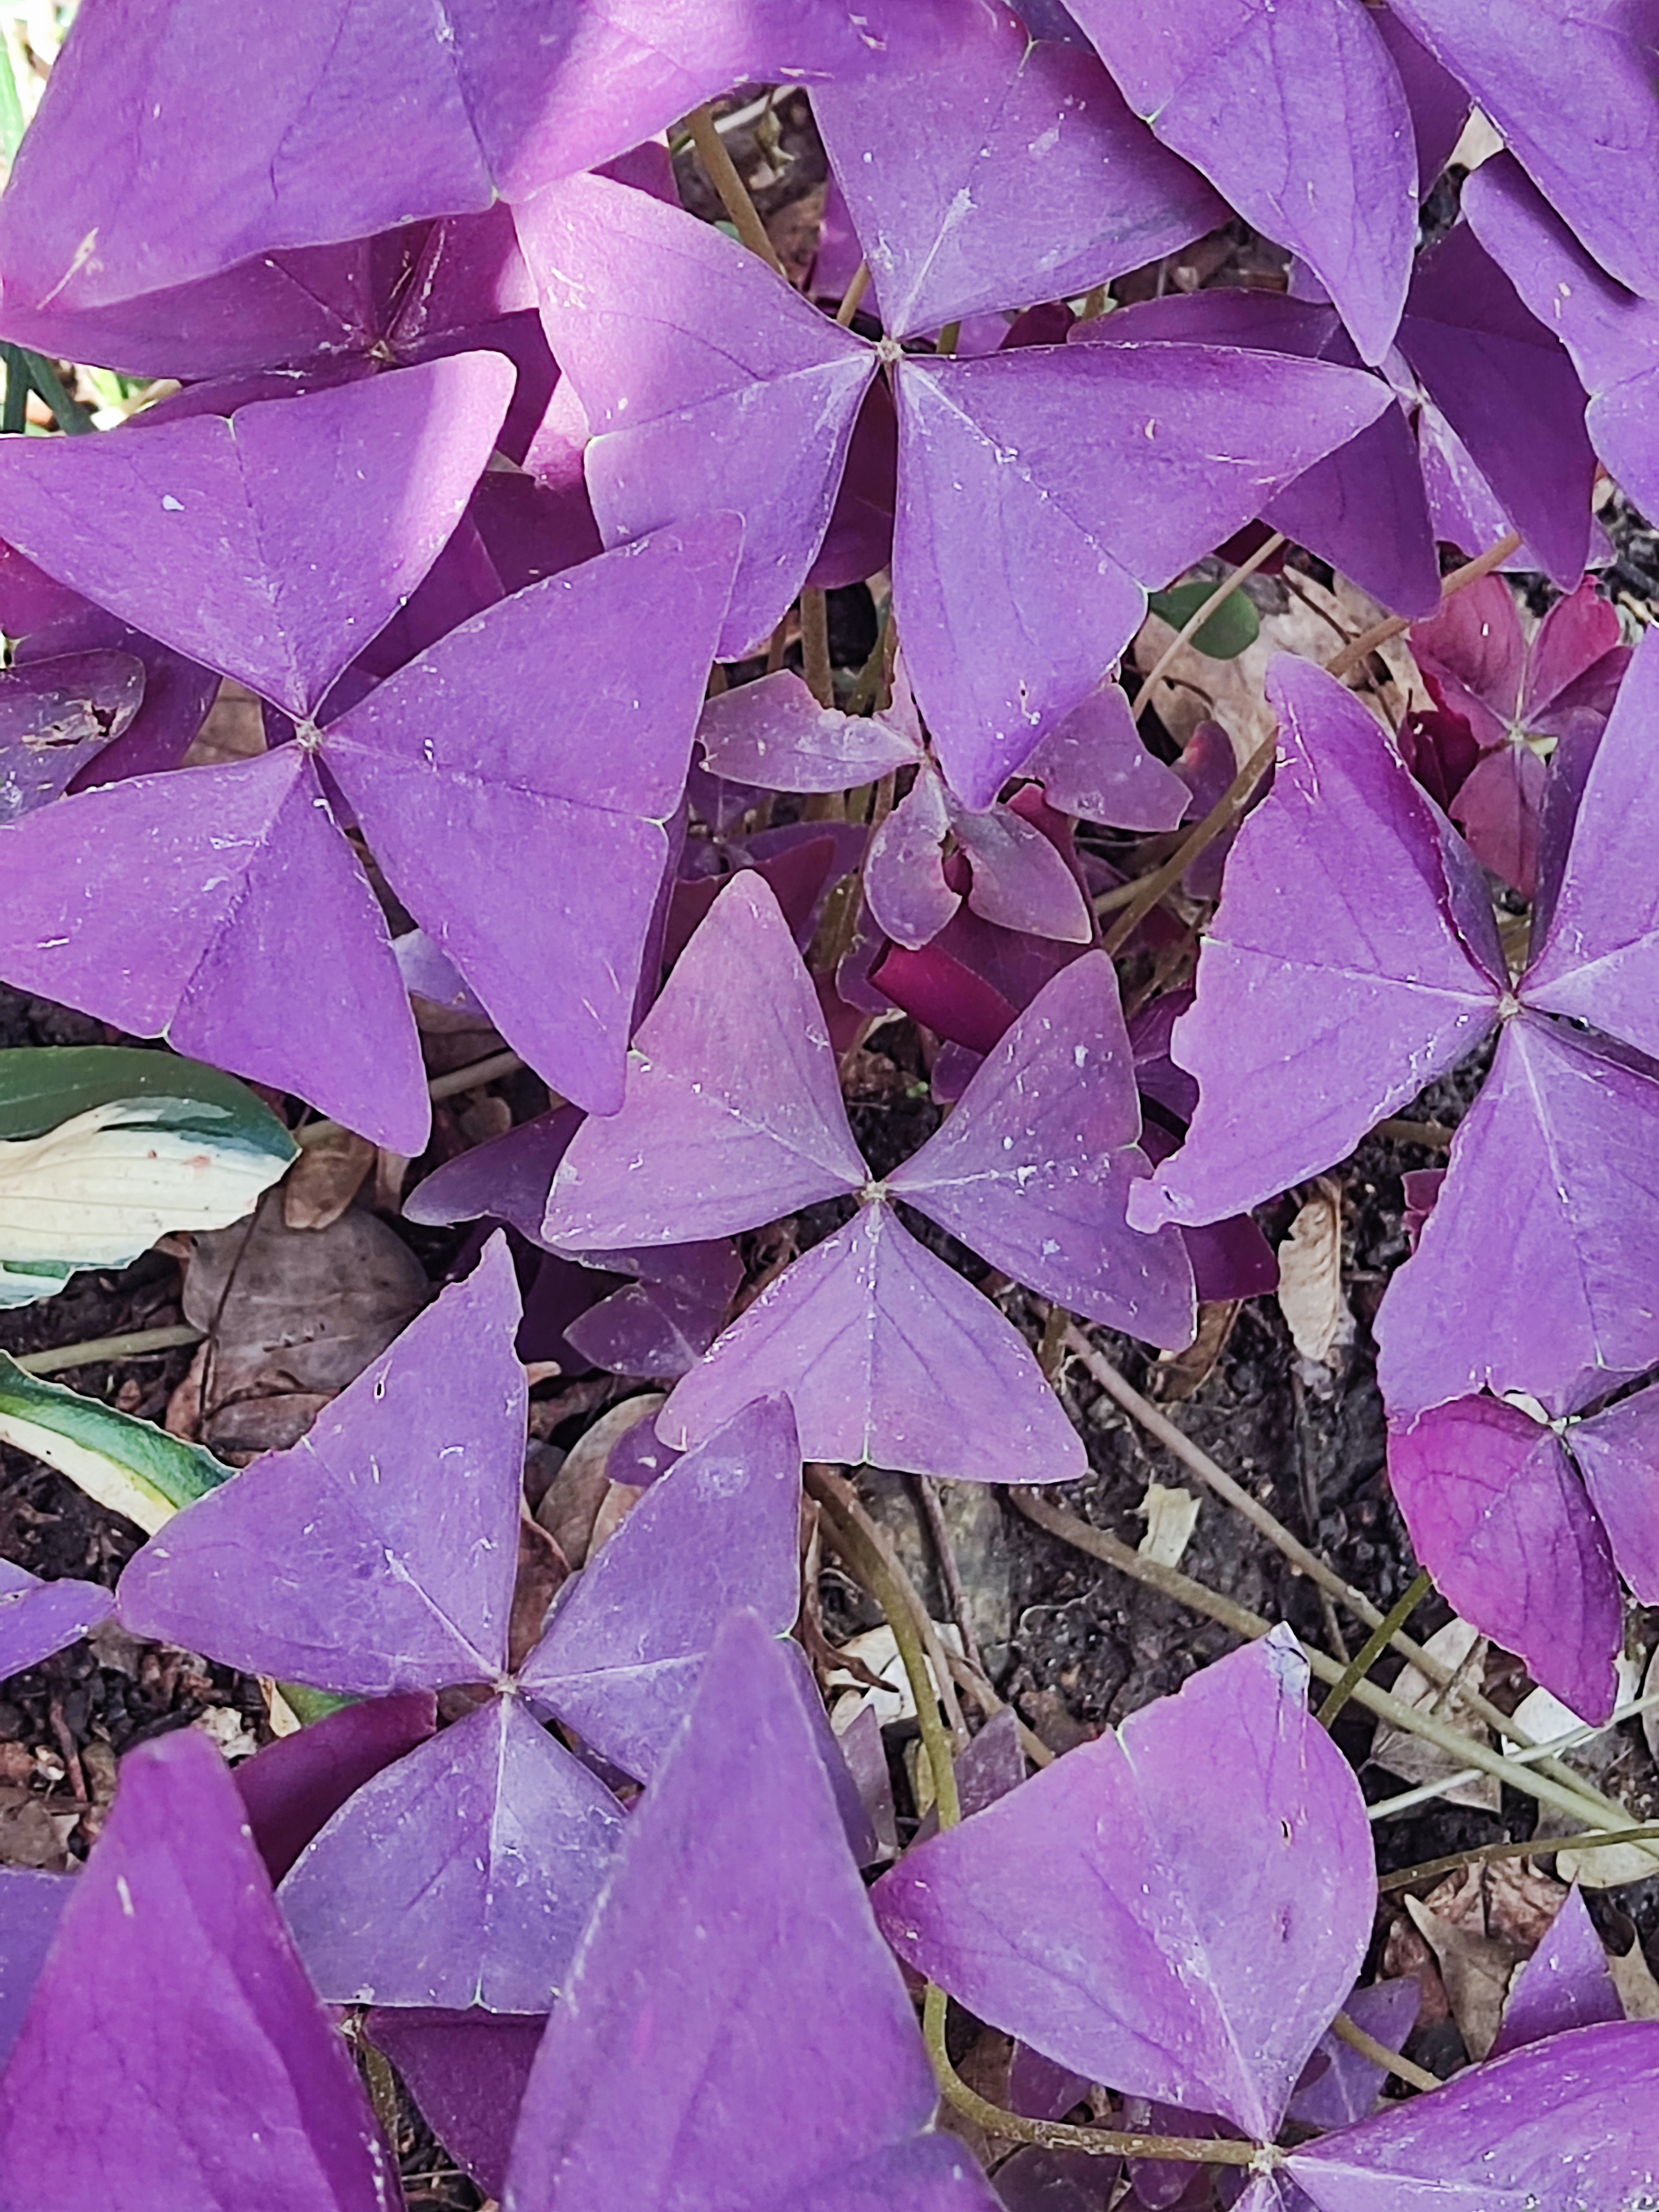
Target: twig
[(96, 1350), (845, 1513), (1524, 1754), (1393, 2061), (1581, 1804), (815, 646), (1379, 633), (721, 171), (1374, 1646), (1536, 1847), (1195, 622), (852, 298), (950, 1574), (1150, 889)]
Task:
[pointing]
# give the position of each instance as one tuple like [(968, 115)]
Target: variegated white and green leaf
[(129, 1465)]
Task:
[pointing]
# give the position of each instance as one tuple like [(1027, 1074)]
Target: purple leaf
[(1600, 959), (458, 749), (1092, 763), (661, 1326), (1507, 388), (1096, 1913), (507, 1178), (1556, 2127), (467, 2072), (309, 123), (731, 1094), (773, 733), (1382, 997), (1348, 2084), (1612, 334), (31, 1904), (1439, 103), (1019, 174), (178, 692), (1544, 1239), (1616, 1452), (56, 717), (997, 477), (174, 2055), (725, 379), (461, 1875), (1571, 91), (1021, 881), (909, 893), (1243, 89), (193, 908), (1500, 1520), (888, 1357), (733, 2025), (263, 545), (38, 1618), (622, 1655), (292, 1786), (1567, 1982), (379, 1554), (1033, 1168)]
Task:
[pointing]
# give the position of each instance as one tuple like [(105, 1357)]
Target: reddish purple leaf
[(702, 374), (1556, 2127), (731, 1095), (458, 749), (272, 546), (1020, 880), (1243, 89), (1572, 90), (888, 1357), (1018, 174), (31, 1905), (661, 1326), (1500, 1520), (1567, 1982), (292, 1786), (467, 2072), (38, 1618), (622, 1655), (507, 1179), (1096, 1912), (175, 2058), (377, 1554), (733, 2027), (1381, 997), (461, 1875), (1033, 1168)]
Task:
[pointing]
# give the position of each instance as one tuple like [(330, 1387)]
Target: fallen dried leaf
[(325, 1179), (1310, 1278), (1171, 1517), (1462, 1648)]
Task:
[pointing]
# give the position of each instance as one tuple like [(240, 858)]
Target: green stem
[(15, 419), (1056, 2135), (1374, 1646), (949, 338), (97, 1349), (71, 417)]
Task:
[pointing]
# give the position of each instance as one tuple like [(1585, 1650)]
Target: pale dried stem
[(722, 173), (1195, 622), (1379, 634)]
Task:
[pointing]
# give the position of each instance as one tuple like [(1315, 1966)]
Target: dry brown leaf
[(1171, 1516), (1477, 1970), (1197, 688), (234, 729), (1632, 1976), (1310, 1278), (1177, 1375), (1462, 1648), (572, 1503), (292, 1317), (325, 1179), (28, 1834)]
